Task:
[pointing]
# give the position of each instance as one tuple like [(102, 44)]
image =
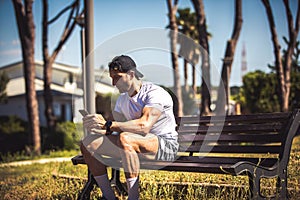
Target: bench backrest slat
[(236, 128), (265, 117), (254, 133)]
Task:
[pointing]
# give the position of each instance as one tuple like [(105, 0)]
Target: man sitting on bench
[(144, 127)]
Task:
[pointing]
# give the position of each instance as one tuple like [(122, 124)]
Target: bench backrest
[(263, 134)]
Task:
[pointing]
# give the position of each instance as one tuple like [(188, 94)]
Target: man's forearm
[(134, 126)]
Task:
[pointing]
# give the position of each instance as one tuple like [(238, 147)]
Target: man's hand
[(94, 123)]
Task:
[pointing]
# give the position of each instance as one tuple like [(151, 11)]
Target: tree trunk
[(194, 84), (276, 46), (47, 71), (203, 41), (185, 68), (49, 59), (283, 72), (174, 56), (224, 89), (26, 28), (293, 33)]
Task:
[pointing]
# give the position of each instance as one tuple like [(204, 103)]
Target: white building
[(66, 89)]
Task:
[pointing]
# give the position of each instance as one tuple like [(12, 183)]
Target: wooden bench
[(256, 145)]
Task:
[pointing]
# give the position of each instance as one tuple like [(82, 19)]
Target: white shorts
[(167, 149)]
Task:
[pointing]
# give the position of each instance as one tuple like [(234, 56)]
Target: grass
[(43, 181)]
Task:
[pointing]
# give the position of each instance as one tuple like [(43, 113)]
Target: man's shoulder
[(153, 90), (151, 86)]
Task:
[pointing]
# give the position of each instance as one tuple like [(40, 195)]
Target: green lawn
[(46, 181)]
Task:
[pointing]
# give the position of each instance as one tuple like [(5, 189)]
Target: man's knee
[(91, 143), (125, 140)]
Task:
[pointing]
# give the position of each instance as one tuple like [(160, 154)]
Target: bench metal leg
[(115, 181), (282, 185), (88, 187), (254, 183)]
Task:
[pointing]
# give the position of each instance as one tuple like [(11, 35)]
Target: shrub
[(66, 136), (11, 124), (14, 135), (71, 136)]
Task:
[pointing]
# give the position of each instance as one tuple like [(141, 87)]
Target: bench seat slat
[(265, 162), (263, 138), (202, 167), (181, 166), (190, 167), (231, 149), (194, 163)]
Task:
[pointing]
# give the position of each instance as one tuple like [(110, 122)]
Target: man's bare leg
[(133, 145), (96, 144), (129, 147)]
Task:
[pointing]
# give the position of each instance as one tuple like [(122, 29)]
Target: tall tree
[(186, 21), (224, 90), (205, 68), (172, 9), (295, 76), (283, 71), (49, 59), (26, 28)]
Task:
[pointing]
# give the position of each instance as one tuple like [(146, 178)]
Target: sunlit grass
[(48, 181)]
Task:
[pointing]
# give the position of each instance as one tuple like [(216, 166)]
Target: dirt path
[(40, 161)]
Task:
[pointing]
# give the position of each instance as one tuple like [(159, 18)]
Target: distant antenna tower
[(244, 61)]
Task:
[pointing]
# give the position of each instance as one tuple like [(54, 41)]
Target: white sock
[(133, 188), (105, 187)]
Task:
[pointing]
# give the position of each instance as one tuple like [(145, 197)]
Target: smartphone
[(83, 112)]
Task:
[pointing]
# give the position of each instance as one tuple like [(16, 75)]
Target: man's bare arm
[(142, 125)]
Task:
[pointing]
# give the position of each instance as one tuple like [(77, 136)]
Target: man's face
[(121, 80)]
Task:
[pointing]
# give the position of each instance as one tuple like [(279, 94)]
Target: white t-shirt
[(150, 95)]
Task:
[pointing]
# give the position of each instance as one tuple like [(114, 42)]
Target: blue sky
[(117, 17)]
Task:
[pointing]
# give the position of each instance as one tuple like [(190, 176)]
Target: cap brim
[(138, 74)]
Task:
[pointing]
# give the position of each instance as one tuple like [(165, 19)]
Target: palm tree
[(205, 68), (172, 8), (186, 21)]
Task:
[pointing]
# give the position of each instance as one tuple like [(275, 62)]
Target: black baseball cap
[(123, 64)]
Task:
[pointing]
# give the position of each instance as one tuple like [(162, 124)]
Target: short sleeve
[(158, 98)]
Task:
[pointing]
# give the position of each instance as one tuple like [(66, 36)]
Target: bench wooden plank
[(266, 162), (239, 128), (251, 118), (259, 138), (233, 149)]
